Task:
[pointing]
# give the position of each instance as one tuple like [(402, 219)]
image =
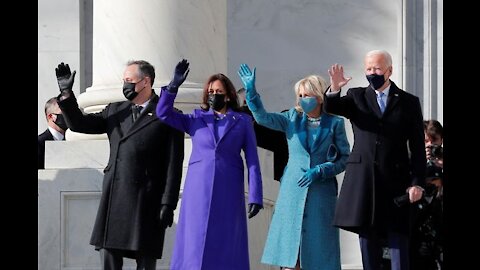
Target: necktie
[(136, 109), (381, 103)]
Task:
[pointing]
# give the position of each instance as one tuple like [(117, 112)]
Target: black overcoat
[(45, 136), (144, 171), (388, 156)]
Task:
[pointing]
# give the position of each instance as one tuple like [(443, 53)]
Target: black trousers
[(112, 259)]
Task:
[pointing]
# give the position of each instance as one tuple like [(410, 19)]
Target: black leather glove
[(65, 79), (166, 216), (253, 209), (181, 73)]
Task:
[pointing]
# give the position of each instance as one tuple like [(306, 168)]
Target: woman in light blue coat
[(301, 234)]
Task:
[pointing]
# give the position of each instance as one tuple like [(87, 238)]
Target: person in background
[(301, 235), (56, 128), (433, 142), (141, 184), (386, 169), (427, 233), (269, 139), (212, 228)]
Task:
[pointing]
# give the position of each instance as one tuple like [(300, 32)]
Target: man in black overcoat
[(142, 179), (387, 161)]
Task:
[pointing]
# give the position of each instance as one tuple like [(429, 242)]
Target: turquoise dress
[(302, 219)]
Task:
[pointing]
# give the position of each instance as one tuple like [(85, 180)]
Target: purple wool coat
[(212, 229)]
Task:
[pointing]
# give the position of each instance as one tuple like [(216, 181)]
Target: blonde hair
[(313, 85)]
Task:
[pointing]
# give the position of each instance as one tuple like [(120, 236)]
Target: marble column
[(162, 33)]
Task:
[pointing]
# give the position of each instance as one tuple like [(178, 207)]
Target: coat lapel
[(301, 130), (393, 98), (208, 119), (232, 120), (148, 115), (322, 131), (371, 98), (124, 116)]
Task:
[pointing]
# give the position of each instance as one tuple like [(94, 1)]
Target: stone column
[(162, 33), (422, 36)]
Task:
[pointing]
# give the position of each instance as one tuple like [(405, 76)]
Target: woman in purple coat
[(212, 227)]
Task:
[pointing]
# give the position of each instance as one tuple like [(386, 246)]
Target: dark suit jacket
[(144, 171), (388, 156), (45, 136), (272, 140)]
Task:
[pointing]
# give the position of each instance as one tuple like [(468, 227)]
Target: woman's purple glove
[(181, 73)]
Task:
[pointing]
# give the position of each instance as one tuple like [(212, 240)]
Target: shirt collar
[(57, 136), (385, 91), (144, 105)]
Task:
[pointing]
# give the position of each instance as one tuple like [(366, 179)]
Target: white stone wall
[(285, 40), (288, 40)]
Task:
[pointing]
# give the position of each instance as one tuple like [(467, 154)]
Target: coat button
[(377, 142)]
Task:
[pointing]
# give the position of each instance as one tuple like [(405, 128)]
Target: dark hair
[(145, 68), (231, 93), (433, 129)]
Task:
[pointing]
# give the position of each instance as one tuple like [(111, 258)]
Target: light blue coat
[(302, 219)]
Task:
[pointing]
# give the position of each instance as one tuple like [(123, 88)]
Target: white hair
[(385, 54)]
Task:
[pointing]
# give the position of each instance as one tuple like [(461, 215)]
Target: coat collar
[(147, 116), (302, 130), (124, 116), (322, 131), (232, 120), (392, 100), (371, 98), (208, 118)]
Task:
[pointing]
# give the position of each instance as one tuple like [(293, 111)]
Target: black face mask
[(129, 90), (216, 101), (60, 122), (376, 81)]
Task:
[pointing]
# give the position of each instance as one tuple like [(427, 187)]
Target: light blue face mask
[(308, 103)]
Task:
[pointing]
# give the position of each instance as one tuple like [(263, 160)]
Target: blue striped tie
[(381, 104)]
